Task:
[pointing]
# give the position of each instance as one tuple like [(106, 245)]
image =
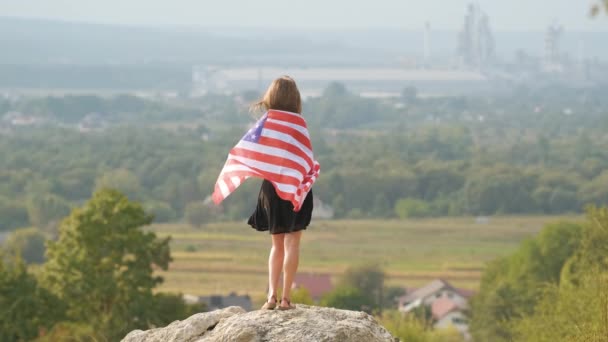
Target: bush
[(355, 214), (26, 306), (71, 331), (346, 297), (170, 307), (369, 280), (191, 248), (301, 295), (411, 329), (411, 208)]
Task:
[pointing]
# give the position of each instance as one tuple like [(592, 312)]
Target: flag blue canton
[(254, 133)]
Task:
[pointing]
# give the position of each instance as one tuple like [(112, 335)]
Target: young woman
[(276, 215)]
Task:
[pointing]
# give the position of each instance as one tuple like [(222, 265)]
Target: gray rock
[(187, 330), (306, 323)]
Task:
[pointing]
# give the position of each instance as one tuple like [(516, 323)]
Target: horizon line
[(201, 27)]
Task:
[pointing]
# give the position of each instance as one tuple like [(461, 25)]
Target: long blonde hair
[(282, 94)]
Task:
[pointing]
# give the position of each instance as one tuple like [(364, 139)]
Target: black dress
[(276, 215)]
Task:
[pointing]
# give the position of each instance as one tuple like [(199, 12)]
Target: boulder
[(305, 323)]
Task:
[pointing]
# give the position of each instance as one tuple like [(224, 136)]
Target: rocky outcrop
[(234, 324)]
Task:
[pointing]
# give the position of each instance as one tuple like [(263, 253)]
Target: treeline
[(404, 157), (553, 288), (114, 110)]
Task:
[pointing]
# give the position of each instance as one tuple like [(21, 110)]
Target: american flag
[(277, 149)]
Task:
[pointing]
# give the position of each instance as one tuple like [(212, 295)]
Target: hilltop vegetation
[(553, 288), (535, 151), (96, 282)]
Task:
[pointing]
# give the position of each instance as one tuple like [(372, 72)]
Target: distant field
[(233, 257)]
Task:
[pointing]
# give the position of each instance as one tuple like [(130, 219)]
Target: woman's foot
[(271, 303), (286, 304)]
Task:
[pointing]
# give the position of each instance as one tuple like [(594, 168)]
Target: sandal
[(270, 306), (289, 307)]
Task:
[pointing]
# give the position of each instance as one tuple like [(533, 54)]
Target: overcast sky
[(443, 14)]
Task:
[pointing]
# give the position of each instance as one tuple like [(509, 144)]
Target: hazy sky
[(504, 14)]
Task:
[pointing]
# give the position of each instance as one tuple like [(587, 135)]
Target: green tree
[(369, 279), (411, 208), (102, 265), (75, 184), (70, 331), (345, 297), (27, 308), (568, 314), (512, 286), (555, 200), (26, 244), (437, 178), (591, 167), (500, 189), (596, 191), (590, 257), (381, 206), (576, 308), (597, 8)]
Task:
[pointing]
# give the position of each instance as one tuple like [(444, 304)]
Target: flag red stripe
[(301, 138), (217, 195), (229, 184), (272, 142), (265, 174), (270, 176), (287, 178), (267, 158), (276, 115)]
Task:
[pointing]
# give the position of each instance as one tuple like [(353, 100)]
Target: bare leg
[(275, 261), (290, 265)]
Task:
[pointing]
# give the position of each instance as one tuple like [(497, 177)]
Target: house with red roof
[(448, 304), (427, 294), (447, 313)]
